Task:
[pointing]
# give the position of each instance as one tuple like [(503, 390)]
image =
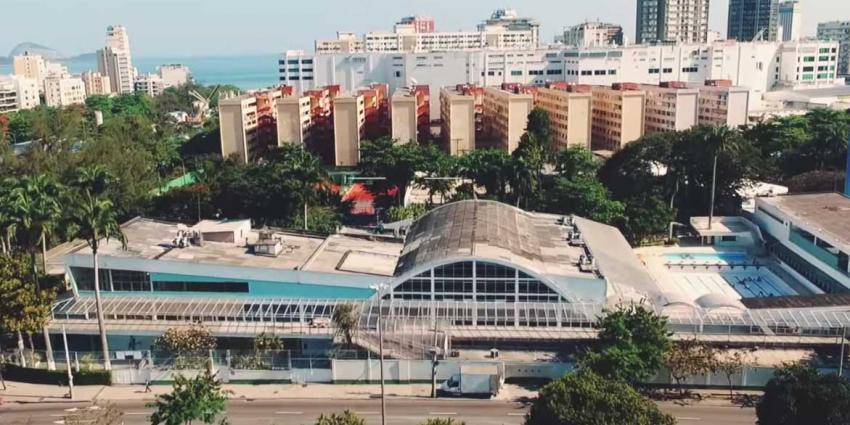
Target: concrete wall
[(348, 125), (232, 132), (403, 114), (580, 121)]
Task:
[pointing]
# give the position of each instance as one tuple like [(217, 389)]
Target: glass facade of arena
[(474, 281)]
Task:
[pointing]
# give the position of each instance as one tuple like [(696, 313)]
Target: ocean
[(245, 72)]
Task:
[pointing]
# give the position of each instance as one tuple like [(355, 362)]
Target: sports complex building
[(472, 272)]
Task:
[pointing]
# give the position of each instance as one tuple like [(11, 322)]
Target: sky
[(178, 28)]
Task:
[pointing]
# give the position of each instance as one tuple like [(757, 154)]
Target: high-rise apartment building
[(570, 110), (838, 31), (349, 119), (790, 20), (410, 114), (115, 60), (458, 117), (96, 83), (508, 20), (30, 66), (505, 116), (618, 116), (751, 20), (672, 106), (248, 124), (64, 90), (294, 120), (593, 34), (672, 21), (18, 93), (721, 104)]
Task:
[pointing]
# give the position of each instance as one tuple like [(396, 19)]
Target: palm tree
[(35, 202), (303, 169), (828, 130), (346, 320), (718, 140), (7, 216), (94, 220)]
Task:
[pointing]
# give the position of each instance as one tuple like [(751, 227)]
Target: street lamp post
[(381, 289)]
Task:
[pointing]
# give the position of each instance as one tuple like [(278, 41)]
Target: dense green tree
[(828, 130), (798, 394), (585, 398), (346, 321), (576, 162), (397, 163), (528, 160), (344, 418), (539, 127), (24, 308), (191, 399), (585, 197), (303, 170), (816, 181), (631, 345), (488, 168), (92, 217), (689, 358)]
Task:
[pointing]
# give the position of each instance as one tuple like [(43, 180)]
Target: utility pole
[(68, 364), (381, 350), (841, 360)]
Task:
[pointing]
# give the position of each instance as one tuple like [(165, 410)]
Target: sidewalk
[(17, 392)]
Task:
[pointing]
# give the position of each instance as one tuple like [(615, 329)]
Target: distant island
[(44, 51)]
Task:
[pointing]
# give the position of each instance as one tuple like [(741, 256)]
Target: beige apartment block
[(293, 120), (30, 66), (618, 116), (404, 117), (96, 83), (670, 107), (505, 117), (723, 105), (349, 115), (238, 122), (570, 115), (64, 91), (457, 113)]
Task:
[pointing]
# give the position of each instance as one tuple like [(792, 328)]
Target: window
[(84, 278), (808, 59), (124, 280), (553, 72), (690, 69), (599, 72), (654, 70), (292, 62), (307, 61), (516, 73), (457, 270), (184, 286), (728, 238)]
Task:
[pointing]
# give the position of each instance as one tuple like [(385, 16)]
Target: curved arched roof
[(712, 301), (487, 230)]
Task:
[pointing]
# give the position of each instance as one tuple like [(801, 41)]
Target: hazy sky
[(226, 27)]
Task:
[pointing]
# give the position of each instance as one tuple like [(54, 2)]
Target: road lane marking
[(688, 419), (442, 413), (516, 414), (365, 413), (137, 413), (289, 413)]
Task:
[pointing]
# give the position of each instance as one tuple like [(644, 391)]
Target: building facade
[(64, 91), (838, 31), (18, 93), (150, 84), (618, 116), (722, 104), (570, 110), (96, 84), (115, 60), (505, 117), (672, 21), (349, 120), (174, 75), (790, 20), (410, 113), (752, 20), (758, 66), (670, 107), (458, 118), (294, 120), (593, 34)]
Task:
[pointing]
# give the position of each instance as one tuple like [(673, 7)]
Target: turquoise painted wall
[(265, 289)]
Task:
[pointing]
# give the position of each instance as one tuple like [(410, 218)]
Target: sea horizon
[(244, 71)]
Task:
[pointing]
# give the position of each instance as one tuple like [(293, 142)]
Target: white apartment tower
[(672, 21), (115, 60), (790, 20)]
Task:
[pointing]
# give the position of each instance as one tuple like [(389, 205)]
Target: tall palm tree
[(94, 220), (35, 202), (307, 171), (8, 220), (718, 140)]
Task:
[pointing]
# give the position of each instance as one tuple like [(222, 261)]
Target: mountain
[(36, 49)]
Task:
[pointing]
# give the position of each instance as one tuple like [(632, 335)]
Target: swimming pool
[(708, 258)]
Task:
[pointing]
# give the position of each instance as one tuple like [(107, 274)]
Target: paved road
[(399, 412)]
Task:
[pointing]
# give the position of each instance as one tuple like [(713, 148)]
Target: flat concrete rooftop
[(154, 240), (827, 213)]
